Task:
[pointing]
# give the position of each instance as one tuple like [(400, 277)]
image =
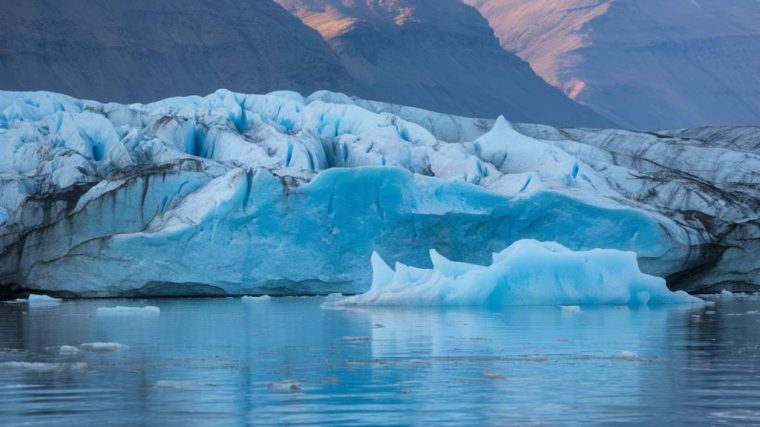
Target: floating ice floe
[(629, 356), (526, 273), (262, 298), (103, 347), (178, 384), (148, 310), (44, 366), (287, 386), (68, 350)]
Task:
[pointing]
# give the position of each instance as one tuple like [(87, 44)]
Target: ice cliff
[(281, 194)]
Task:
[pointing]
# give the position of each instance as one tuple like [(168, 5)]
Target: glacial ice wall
[(281, 194)]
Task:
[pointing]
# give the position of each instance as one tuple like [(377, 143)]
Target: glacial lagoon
[(293, 361)]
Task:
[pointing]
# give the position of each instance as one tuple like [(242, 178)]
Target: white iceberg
[(526, 273), (42, 301)]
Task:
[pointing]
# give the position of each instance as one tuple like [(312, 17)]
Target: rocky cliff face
[(645, 64)]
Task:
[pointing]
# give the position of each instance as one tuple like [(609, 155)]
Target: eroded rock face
[(281, 194)]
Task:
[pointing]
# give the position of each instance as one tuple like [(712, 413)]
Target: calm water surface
[(288, 361)]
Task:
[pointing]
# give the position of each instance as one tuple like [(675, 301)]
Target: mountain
[(438, 55), (144, 50), (642, 63)]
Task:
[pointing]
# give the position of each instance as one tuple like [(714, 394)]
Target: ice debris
[(526, 273)]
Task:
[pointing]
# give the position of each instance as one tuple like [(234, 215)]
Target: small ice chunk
[(334, 297), (263, 298), (535, 358), (356, 338), (42, 301), (493, 375), (176, 384), (287, 386), (68, 350), (628, 355), (103, 347), (44, 366), (726, 294), (148, 310), (710, 303), (571, 308)]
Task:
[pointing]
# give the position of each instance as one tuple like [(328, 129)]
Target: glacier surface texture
[(283, 194)]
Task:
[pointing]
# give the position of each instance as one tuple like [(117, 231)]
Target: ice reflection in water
[(230, 361)]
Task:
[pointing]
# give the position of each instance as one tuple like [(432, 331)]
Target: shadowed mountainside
[(144, 50), (645, 64), (439, 55)]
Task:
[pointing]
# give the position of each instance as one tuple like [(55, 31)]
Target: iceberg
[(528, 272), (42, 301), (281, 194)]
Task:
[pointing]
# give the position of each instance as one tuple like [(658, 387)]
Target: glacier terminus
[(282, 194)]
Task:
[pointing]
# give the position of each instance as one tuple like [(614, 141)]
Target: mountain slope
[(643, 63), (438, 55), (144, 50)]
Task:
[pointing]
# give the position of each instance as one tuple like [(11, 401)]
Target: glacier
[(528, 272), (281, 194)]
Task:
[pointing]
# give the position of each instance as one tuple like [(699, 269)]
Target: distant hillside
[(439, 55), (436, 54), (643, 63), (143, 50)]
